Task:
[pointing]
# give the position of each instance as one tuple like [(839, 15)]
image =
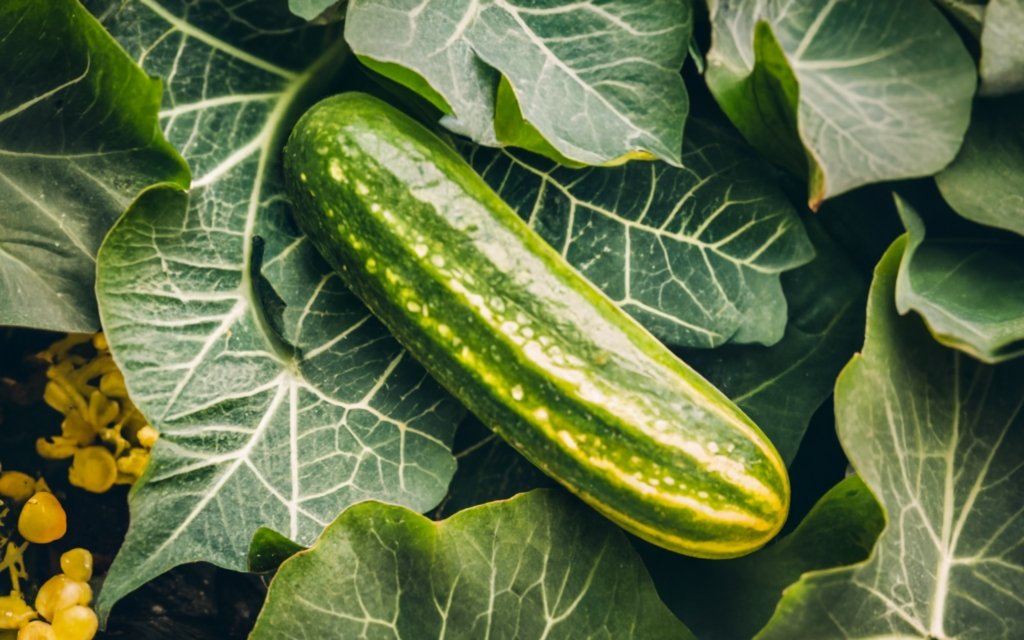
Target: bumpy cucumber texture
[(534, 350)]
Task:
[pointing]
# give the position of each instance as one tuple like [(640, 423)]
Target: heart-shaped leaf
[(78, 140), (279, 399), (846, 93), (583, 82), (965, 281), (540, 565), (937, 437)]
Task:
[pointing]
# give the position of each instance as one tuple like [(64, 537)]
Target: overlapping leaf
[(986, 181), (966, 283), (694, 253), (589, 82), (937, 437), (279, 399), (78, 140), (846, 93), (538, 566), (1002, 48)]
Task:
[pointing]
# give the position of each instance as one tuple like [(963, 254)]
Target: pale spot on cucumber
[(337, 173), (421, 250), (362, 189), (413, 306), (517, 393), (566, 437), (371, 266)]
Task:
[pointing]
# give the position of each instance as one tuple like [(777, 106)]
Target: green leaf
[(1002, 48), (588, 82), (734, 598), (965, 282), (279, 399), (937, 438), (781, 386), (986, 181), (540, 565), (78, 140), (693, 253), (874, 90), (319, 11)]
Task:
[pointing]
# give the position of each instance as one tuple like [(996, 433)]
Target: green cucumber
[(527, 344)]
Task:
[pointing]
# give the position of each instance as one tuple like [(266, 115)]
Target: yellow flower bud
[(77, 429), (56, 448), (133, 463), (16, 485), (147, 436), (112, 384), (76, 623), (102, 410), (42, 519), (99, 342), (61, 592), (77, 564), (57, 396), (93, 469), (14, 613), (37, 630)]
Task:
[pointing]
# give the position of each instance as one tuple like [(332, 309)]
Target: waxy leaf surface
[(540, 565), (844, 93), (279, 400), (986, 181), (588, 82), (965, 281), (937, 438), (1002, 48), (78, 140)]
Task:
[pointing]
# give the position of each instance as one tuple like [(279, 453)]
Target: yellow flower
[(16, 485), (14, 613), (93, 469)]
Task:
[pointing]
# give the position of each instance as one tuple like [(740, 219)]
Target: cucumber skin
[(526, 343)]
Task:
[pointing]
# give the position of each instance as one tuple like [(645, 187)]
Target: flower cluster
[(63, 600), (107, 438)]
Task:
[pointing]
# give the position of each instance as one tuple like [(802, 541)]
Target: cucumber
[(527, 344)]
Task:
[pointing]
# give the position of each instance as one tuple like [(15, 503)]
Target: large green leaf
[(846, 93), (781, 386), (965, 281), (1002, 48), (78, 140), (986, 181), (540, 565), (694, 253), (279, 399), (732, 599), (588, 82), (937, 437)]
